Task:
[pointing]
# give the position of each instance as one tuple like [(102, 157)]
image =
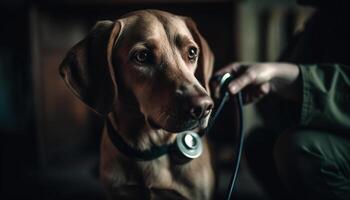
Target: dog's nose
[(201, 106)]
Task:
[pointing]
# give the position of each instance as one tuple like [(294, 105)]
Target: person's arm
[(323, 90), (325, 96), (258, 79)]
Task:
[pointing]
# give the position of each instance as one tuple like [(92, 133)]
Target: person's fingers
[(241, 82), (227, 69), (231, 68), (252, 97), (265, 88)]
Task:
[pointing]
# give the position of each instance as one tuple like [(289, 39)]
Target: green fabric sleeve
[(326, 96)]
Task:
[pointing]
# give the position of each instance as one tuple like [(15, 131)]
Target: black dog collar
[(145, 155)]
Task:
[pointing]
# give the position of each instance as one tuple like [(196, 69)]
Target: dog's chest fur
[(192, 180)]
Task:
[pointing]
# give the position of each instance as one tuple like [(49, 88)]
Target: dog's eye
[(192, 54), (142, 56)]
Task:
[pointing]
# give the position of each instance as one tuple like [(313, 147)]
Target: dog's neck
[(131, 124)]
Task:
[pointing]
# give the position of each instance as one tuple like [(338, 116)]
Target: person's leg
[(314, 164), (259, 155)]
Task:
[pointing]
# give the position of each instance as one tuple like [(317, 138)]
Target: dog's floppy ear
[(87, 68), (206, 58)]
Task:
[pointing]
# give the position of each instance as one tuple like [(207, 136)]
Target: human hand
[(259, 79)]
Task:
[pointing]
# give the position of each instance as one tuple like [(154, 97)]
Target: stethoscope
[(188, 143), (224, 93)]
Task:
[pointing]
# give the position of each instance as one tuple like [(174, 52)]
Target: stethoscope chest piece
[(188, 146)]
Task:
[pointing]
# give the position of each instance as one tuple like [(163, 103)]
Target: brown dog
[(147, 73)]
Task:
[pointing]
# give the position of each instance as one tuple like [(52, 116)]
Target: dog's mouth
[(178, 126), (153, 124)]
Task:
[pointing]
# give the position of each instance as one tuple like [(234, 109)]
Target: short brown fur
[(146, 103)]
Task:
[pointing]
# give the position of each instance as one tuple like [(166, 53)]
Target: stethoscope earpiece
[(224, 81)]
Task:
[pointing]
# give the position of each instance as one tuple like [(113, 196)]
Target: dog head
[(153, 60)]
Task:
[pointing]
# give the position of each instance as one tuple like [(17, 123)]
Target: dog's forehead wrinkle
[(174, 27), (164, 28), (181, 40), (141, 26)]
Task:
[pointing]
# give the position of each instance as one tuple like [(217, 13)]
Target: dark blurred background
[(50, 140)]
